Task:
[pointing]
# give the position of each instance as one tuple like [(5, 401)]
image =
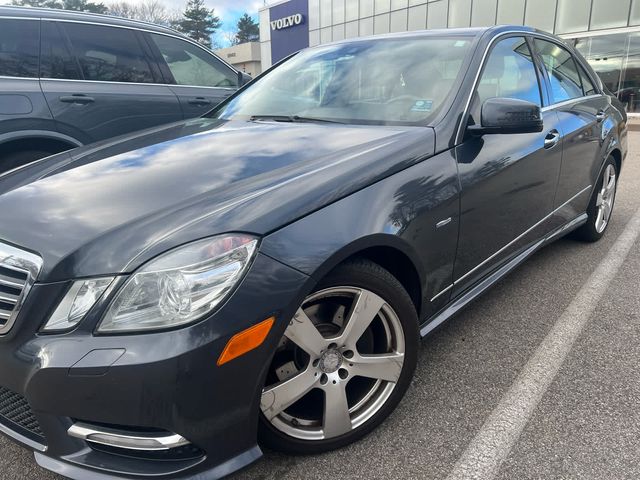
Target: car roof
[(58, 14), (475, 32)]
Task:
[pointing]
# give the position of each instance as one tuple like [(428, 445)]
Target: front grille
[(16, 413), (18, 271)]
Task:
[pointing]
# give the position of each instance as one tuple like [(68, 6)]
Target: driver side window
[(508, 72)]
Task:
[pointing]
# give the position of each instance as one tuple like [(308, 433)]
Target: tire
[(18, 159), (601, 204), (329, 329)]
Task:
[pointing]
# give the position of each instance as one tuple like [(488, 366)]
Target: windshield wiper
[(291, 118)]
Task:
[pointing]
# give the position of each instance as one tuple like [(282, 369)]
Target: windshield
[(381, 81)]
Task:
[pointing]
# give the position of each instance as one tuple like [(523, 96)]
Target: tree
[(152, 11), (248, 30), (77, 5), (198, 22)]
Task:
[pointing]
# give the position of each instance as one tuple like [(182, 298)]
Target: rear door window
[(19, 48), (108, 54), (563, 72), (56, 59), (191, 65), (587, 85)]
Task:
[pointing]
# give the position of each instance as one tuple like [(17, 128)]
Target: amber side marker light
[(246, 341)]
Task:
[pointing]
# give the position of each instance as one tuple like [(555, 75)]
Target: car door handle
[(600, 116), (552, 139), (80, 99), (200, 101)]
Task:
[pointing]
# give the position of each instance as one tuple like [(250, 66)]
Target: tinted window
[(191, 65), (587, 85), (19, 48), (56, 59), (108, 54), (375, 81), (509, 72), (563, 73)]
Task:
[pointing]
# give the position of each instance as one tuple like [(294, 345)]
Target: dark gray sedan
[(263, 275)]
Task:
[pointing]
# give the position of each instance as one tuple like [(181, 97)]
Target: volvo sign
[(286, 22)]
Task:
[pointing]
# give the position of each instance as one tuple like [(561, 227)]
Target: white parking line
[(491, 445)]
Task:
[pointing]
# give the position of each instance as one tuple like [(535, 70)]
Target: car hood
[(108, 207)]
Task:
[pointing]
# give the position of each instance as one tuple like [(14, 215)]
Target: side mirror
[(508, 115), (243, 79)]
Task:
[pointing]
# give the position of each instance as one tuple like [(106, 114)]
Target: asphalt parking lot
[(495, 394)]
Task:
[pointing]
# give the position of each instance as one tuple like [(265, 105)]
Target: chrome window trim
[(571, 101), (10, 17), (523, 33), (27, 262), (7, 77), (232, 89), (522, 235)]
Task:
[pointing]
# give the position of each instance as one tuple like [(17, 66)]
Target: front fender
[(399, 212)]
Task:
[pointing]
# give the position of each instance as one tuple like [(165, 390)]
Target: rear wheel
[(601, 205), (343, 364)]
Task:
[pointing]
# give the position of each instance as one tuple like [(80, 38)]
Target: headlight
[(82, 295), (181, 286)]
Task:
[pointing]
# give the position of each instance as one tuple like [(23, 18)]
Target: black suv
[(68, 79)]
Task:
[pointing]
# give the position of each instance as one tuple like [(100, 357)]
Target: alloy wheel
[(336, 366), (606, 197)]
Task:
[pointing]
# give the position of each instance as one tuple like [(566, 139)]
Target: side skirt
[(466, 298)]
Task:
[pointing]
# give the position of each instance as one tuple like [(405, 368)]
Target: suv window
[(509, 72), (109, 54), (19, 48), (191, 65), (56, 60), (563, 73)]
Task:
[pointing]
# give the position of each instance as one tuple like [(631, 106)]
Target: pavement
[(538, 379)]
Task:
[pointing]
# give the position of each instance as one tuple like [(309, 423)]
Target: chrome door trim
[(521, 235), (442, 292)]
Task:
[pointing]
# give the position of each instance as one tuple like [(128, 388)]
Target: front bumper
[(166, 380)]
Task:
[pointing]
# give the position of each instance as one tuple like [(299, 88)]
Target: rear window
[(19, 41), (108, 54)]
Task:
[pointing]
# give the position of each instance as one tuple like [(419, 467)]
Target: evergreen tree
[(248, 30), (198, 22)]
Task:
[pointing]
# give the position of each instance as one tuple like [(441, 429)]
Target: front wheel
[(601, 205), (343, 364)]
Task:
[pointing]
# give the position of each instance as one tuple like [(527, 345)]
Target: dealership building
[(606, 32)]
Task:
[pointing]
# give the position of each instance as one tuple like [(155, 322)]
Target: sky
[(228, 10)]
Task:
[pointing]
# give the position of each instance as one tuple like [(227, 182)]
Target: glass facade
[(616, 60), (606, 32)]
